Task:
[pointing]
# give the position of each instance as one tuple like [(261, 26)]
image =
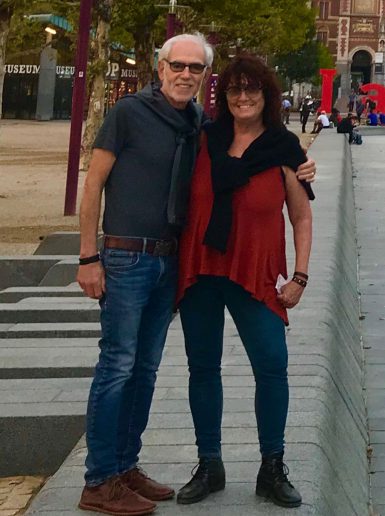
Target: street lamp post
[(77, 112), (171, 19), (172, 7)]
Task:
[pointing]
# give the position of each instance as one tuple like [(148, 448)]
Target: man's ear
[(161, 65)]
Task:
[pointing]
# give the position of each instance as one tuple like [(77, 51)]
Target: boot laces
[(282, 472), (118, 488), (140, 472), (198, 470)]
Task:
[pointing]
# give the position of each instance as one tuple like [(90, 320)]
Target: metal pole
[(77, 112), (171, 23)]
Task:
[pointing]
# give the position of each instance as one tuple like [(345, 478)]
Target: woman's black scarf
[(275, 147)]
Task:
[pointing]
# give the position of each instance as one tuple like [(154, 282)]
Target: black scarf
[(186, 146), (275, 147)]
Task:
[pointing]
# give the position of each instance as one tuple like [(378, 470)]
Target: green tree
[(304, 64), (96, 73), (7, 9)]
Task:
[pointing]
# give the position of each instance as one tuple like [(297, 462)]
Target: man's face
[(180, 87)]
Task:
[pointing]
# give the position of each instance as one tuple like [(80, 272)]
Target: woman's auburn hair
[(256, 72)]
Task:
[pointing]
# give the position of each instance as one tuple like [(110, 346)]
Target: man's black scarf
[(275, 147)]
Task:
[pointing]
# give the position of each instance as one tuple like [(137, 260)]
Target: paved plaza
[(48, 346)]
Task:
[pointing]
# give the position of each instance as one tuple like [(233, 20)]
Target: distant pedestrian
[(381, 117), (306, 108), (322, 122), (346, 126), (372, 118), (370, 105), (360, 108), (352, 100), (286, 106), (335, 116)]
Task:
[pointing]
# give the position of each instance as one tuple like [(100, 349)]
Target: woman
[(232, 253)]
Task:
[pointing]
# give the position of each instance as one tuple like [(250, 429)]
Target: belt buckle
[(162, 248)]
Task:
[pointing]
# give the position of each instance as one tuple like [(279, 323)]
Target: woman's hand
[(290, 294), (306, 171)]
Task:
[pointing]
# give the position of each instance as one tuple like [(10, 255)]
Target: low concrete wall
[(333, 325)]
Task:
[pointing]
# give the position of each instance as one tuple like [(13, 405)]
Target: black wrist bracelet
[(299, 281), (89, 259), (301, 275)]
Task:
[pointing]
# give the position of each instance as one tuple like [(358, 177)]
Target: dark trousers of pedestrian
[(262, 333), (305, 118)]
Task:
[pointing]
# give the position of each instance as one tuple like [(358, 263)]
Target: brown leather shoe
[(114, 497), (138, 481)]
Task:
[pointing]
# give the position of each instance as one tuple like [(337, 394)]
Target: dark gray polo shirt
[(137, 189)]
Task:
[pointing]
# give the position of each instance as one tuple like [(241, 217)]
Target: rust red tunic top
[(255, 253)]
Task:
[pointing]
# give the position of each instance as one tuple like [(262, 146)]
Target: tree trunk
[(5, 20), (144, 56), (100, 54)]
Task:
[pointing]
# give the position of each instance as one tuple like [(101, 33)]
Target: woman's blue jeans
[(135, 314), (263, 335)]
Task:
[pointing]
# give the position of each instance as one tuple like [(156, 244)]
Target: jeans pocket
[(119, 260)]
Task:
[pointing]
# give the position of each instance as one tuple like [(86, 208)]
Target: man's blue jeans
[(263, 336), (135, 314)]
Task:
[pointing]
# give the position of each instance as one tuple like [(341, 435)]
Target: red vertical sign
[(327, 89)]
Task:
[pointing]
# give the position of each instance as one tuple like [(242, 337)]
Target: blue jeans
[(263, 335), (135, 314)]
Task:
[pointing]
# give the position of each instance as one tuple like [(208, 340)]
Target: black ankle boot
[(272, 482), (208, 478)]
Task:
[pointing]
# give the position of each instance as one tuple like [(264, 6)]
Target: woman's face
[(245, 100)]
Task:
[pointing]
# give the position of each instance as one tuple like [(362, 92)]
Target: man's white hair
[(197, 37)]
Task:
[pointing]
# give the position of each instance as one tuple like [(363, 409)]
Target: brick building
[(354, 32)]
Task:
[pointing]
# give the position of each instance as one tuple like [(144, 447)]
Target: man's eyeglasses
[(249, 89), (178, 66)]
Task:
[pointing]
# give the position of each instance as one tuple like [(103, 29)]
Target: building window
[(322, 37), (324, 10)]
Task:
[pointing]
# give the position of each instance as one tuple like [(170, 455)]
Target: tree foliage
[(304, 64)]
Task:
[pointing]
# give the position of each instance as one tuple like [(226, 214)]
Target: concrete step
[(48, 358), (40, 422), (54, 309), (50, 330), (61, 273), (15, 294), (19, 271), (61, 242)]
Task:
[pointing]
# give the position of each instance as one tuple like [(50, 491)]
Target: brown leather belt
[(142, 245)]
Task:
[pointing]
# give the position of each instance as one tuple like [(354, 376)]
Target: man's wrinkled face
[(181, 86)]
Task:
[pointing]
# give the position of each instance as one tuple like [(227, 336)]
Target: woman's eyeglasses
[(178, 66), (249, 89)]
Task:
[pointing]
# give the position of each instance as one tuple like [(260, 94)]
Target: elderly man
[(143, 159)]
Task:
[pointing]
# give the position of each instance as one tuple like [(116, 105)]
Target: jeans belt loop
[(144, 245)]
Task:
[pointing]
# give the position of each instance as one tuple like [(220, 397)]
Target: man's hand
[(290, 294), (92, 280), (307, 171)]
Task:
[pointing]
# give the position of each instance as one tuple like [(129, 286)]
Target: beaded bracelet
[(299, 281), (89, 259)]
